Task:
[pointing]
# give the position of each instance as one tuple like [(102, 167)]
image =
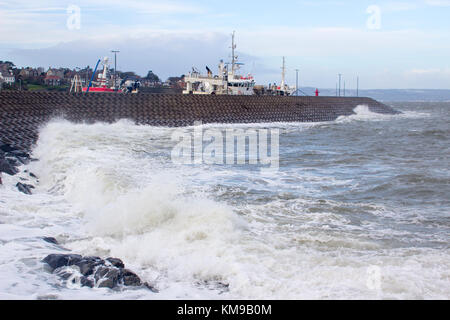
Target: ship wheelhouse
[(226, 82)]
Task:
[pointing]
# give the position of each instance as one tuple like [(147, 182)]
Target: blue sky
[(402, 44)]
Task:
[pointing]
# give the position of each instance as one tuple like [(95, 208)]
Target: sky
[(387, 44)]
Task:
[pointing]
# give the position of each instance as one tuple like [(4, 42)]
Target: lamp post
[(357, 86), (340, 75), (296, 82)]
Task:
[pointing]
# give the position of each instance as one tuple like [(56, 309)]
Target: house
[(56, 72), (29, 72), (52, 80), (7, 77)]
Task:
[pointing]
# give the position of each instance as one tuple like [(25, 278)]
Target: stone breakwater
[(22, 113)]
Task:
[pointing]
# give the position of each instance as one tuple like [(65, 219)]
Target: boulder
[(5, 147), (7, 167), (116, 262), (129, 278), (18, 153), (65, 272), (93, 271), (150, 287), (60, 260), (106, 277), (50, 240), (87, 265), (86, 282), (24, 188)]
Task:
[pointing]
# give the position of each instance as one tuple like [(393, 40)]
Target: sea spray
[(335, 212)]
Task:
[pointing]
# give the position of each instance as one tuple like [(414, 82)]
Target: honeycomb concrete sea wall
[(22, 113)]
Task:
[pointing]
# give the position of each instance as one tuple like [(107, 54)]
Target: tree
[(127, 74), (9, 63), (174, 80), (152, 77)]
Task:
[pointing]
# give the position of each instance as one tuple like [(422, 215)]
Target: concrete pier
[(22, 113)]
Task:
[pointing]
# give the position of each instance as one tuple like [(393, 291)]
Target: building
[(52, 80), (56, 72), (29, 73), (7, 77)]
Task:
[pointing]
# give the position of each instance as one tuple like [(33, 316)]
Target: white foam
[(98, 196)]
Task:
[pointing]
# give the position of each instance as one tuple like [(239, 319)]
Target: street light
[(357, 86), (340, 75)]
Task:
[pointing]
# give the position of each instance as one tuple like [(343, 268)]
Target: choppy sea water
[(359, 209)]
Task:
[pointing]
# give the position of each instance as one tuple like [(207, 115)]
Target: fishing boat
[(283, 89), (227, 81), (102, 84)]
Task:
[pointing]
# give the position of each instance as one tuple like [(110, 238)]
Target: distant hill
[(389, 94)]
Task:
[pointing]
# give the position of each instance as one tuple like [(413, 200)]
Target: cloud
[(431, 71), (158, 35), (167, 54), (320, 53), (399, 6), (438, 3)]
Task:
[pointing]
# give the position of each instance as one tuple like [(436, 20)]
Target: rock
[(13, 161), (7, 167), (106, 277), (33, 175), (60, 260), (86, 282), (24, 188), (22, 160), (129, 278), (87, 265), (150, 287), (18, 153), (66, 272), (50, 240), (7, 148), (93, 271), (116, 262)]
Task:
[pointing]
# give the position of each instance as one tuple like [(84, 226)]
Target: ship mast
[(233, 57), (283, 73)]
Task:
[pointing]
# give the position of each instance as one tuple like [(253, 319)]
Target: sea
[(357, 208)]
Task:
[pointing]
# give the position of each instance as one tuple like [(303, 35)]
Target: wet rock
[(86, 282), (66, 272), (24, 188), (50, 240), (107, 277), (22, 160), (129, 278), (19, 154), (7, 167), (116, 262), (150, 287), (93, 271), (5, 147), (60, 260), (87, 265), (13, 161)]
